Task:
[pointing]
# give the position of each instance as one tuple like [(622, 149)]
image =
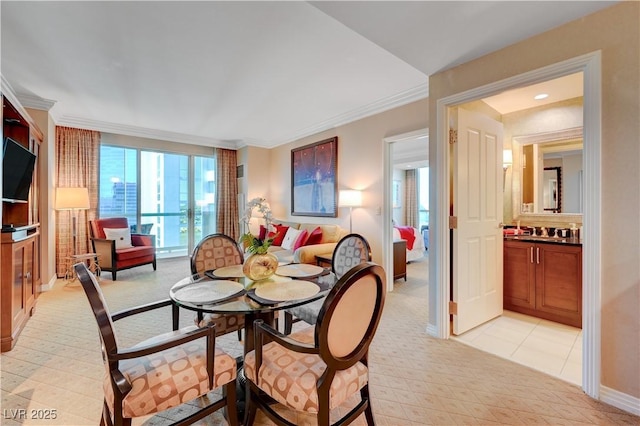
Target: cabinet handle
[(538, 255), (531, 253)]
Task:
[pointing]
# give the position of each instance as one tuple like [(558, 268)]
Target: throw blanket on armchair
[(406, 233)]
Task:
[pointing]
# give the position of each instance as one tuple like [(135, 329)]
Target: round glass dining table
[(209, 293)]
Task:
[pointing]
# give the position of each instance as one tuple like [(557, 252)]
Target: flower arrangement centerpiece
[(260, 264)]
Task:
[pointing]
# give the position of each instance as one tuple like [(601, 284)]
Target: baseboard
[(620, 400), (432, 330), (48, 286)]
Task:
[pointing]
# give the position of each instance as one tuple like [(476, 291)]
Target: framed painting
[(314, 183)]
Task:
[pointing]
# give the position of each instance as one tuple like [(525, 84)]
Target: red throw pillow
[(314, 237), (302, 238), (262, 233), (278, 236)]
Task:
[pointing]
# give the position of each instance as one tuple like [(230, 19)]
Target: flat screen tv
[(17, 170)]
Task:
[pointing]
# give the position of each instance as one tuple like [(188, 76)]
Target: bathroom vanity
[(543, 278)]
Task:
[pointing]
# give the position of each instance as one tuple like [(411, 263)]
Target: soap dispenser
[(574, 231)]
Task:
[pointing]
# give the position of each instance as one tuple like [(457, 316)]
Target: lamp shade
[(507, 158), (350, 198), (72, 198)]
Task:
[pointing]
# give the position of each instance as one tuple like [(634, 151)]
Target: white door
[(477, 241)]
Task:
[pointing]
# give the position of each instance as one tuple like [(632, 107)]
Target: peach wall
[(360, 166), (616, 33)]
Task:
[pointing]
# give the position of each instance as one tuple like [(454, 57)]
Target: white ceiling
[(231, 74), (414, 153)]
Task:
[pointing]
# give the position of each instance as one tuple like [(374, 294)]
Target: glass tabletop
[(245, 300)]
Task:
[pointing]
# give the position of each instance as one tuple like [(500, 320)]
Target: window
[(171, 194), (423, 197)]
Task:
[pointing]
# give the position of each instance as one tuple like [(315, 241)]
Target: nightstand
[(400, 259)]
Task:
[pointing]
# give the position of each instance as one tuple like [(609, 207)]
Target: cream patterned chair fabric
[(351, 250), (163, 372), (175, 375), (213, 252), (318, 369)]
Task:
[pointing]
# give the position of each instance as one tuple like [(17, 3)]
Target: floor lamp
[(73, 199), (350, 198)]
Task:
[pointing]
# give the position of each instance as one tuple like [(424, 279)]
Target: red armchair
[(141, 252)]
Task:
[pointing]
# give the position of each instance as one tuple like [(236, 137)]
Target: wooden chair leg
[(231, 408), (368, 412), (250, 408)]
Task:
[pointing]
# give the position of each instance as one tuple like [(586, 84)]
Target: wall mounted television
[(17, 171)]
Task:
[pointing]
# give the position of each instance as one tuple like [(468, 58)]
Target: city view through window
[(171, 196)]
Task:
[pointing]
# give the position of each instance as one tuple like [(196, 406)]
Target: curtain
[(227, 215), (77, 153), (411, 198)]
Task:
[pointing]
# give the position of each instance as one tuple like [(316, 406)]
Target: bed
[(415, 242)]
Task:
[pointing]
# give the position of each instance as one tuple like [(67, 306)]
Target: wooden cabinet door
[(519, 276), (559, 283)]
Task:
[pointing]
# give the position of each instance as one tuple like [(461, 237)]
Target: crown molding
[(143, 132), (35, 102), (394, 101), (403, 98), (8, 92)]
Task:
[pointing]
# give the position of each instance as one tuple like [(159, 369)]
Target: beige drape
[(227, 193), (411, 198), (77, 159)]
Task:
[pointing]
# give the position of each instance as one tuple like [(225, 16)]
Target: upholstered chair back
[(213, 252), (351, 250), (97, 226), (350, 316)]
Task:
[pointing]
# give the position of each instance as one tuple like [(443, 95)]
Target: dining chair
[(162, 372), (212, 252), (351, 250), (318, 369)]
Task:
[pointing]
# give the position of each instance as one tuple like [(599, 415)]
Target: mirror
[(547, 178), (551, 183)]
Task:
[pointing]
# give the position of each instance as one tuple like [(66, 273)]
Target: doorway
[(440, 258), (400, 151)]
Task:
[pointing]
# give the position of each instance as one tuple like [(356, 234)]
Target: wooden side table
[(400, 259), (90, 259), (324, 259)]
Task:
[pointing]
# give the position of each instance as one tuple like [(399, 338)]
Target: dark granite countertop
[(545, 240)]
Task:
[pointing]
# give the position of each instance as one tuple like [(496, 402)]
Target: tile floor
[(550, 347), (415, 379)]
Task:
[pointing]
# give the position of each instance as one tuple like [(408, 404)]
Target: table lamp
[(350, 198), (73, 199)]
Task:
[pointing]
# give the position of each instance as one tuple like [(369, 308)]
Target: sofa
[(311, 239)]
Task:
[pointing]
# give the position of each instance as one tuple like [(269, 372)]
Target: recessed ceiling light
[(541, 96), (409, 166)]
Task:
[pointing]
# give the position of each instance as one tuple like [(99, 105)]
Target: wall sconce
[(73, 199), (507, 159), (350, 198)]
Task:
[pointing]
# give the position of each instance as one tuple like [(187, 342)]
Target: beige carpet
[(415, 379)]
